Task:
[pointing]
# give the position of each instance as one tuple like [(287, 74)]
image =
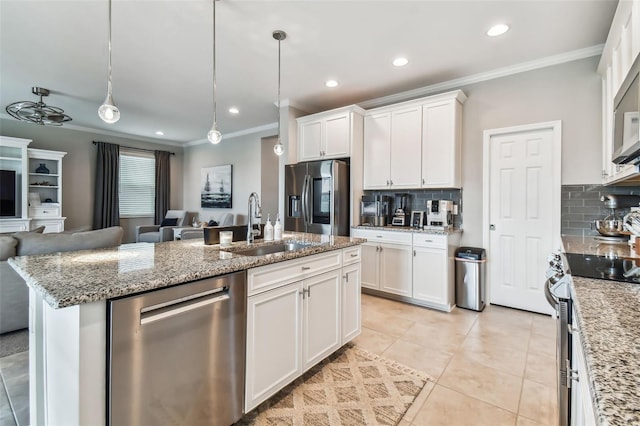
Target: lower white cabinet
[(294, 326), (417, 266), (582, 409), (50, 225)]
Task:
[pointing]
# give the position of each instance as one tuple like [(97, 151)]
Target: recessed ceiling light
[(234, 110), (497, 30), (331, 83), (400, 62), (160, 133)]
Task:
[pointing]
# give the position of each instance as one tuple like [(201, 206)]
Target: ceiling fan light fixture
[(497, 30), (38, 112), (278, 148)]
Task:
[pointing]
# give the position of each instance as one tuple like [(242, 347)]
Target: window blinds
[(137, 184)]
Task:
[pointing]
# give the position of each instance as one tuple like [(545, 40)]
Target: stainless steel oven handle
[(181, 308), (549, 296)]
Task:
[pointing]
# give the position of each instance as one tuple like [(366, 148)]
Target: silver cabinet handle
[(414, 253), (391, 182), (346, 277), (492, 227), (378, 236), (377, 248), (306, 268), (428, 241), (387, 183), (354, 255), (423, 181)]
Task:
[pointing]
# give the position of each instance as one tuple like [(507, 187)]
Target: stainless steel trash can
[(470, 277)]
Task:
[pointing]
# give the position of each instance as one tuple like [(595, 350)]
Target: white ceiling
[(162, 54)]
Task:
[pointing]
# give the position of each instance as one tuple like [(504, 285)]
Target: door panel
[(439, 145), (395, 269), (370, 266), (430, 281), (406, 148), (337, 136), (350, 302), (377, 143), (521, 208), (311, 144)]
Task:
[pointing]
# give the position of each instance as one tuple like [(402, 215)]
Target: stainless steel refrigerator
[(317, 197)]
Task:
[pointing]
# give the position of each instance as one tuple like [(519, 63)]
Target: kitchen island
[(68, 301), (608, 317)]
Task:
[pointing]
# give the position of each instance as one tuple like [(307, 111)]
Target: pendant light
[(214, 134), (108, 111), (279, 35)]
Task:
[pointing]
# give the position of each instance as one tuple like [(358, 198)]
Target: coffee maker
[(375, 210), (401, 216), (439, 214)]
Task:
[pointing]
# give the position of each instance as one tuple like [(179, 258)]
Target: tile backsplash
[(581, 206), (419, 199)]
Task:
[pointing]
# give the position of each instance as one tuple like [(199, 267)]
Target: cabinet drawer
[(429, 240), (375, 235), (351, 255), (271, 276), (44, 211)]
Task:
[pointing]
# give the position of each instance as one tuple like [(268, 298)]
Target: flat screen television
[(8, 193)]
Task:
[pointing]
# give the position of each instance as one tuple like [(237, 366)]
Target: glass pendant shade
[(214, 135), (108, 111), (278, 148)]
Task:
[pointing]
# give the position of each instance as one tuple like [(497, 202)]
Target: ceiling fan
[(38, 112)]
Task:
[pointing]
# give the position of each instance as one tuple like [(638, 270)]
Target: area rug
[(350, 387)]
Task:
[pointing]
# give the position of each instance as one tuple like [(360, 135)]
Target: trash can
[(470, 277)]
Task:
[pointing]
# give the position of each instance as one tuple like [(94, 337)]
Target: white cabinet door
[(321, 317), (377, 145), (310, 140), (395, 269), (370, 266), (337, 136), (350, 318), (406, 148), (274, 342), (50, 225), (430, 278), (441, 145)]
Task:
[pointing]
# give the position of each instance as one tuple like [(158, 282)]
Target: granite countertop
[(608, 316), (77, 277), (409, 229)]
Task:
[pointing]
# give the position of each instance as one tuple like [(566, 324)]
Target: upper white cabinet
[(45, 189), (330, 134), (414, 144), (13, 194), (620, 51)]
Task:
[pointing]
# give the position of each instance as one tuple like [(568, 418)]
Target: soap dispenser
[(268, 230), (277, 229)]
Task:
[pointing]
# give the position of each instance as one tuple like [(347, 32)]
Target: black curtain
[(106, 207), (163, 184)]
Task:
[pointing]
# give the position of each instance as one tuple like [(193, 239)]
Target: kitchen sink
[(272, 248)]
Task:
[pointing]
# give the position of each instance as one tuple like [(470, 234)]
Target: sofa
[(14, 293)]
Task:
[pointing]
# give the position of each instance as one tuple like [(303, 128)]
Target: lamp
[(279, 35), (38, 112), (214, 134), (108, 111)]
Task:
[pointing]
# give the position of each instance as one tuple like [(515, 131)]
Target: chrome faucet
[(257, 213)]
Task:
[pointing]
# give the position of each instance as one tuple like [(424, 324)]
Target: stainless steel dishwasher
[(176, 356)]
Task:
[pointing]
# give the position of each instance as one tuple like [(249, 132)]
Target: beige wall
[(269, 180), (78, 177), (569, 92), (244, 154)]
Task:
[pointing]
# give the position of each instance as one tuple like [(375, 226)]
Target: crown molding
[(548, 61), (232, 135)]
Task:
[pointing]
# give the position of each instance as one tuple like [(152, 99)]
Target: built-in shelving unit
[(45, 189), (13, 193)]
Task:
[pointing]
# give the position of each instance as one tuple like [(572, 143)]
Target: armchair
[(162, 232)]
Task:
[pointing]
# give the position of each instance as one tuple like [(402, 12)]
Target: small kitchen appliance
[(417, 219), (375, 210), (612, 226), (401, 216), (439, 214)]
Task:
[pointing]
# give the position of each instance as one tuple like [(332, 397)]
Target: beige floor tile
[(429, 360), (448, 407), (374, 341), (503, 335), (494, 313), (523, 421), (541, 369), (419, 402), (503, 358), (545, 325), (539, 402), (384, 323), (541, 344), (483, 383), (434, 334)]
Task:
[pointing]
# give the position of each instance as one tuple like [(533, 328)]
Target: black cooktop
[(604, 268)]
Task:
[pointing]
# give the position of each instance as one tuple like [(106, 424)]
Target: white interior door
[(523, 212)]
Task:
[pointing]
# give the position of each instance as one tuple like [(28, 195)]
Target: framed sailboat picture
[(215, 188)]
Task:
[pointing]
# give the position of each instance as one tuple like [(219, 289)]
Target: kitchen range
[(595, 289)]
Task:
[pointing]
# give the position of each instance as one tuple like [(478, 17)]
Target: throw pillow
[(212, 223), (169, 221)]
